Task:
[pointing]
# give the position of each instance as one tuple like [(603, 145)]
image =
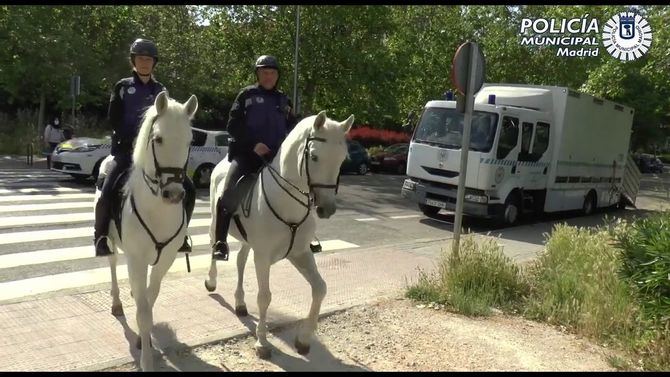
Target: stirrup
[(187, 247), (220, 251), (102, 249)]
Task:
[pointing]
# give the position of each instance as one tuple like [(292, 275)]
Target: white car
[(81, 157)]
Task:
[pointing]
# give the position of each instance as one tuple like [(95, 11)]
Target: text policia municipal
[(552, 32)]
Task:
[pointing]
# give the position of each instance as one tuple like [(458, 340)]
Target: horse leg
[(117, 307), (262, 345), (240, 306), (306, 265), (210, 283), (157, 274), (137, 272)]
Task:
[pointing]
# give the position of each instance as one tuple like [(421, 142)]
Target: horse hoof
[(263, 352), (241, 311), (302, 349), (209, 288), (117, 310), (138, 344)]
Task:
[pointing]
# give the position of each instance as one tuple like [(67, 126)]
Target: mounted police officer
[(130, 98), (260, 118)]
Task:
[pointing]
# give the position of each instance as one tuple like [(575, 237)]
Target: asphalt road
[(46, 221)]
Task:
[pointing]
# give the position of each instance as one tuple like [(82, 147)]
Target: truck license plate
[(436, 203)]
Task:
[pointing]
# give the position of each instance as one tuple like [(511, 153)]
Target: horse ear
[(161, 102), (346, 125), (320, 120), (191, 105)]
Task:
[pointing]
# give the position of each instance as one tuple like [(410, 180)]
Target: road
[(46, 221)]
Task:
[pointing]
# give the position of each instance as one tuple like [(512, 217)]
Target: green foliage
[(645, 246), (481, 277), (575, 283), (360, 60)]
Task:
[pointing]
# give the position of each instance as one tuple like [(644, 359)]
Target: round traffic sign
[(460, 67)]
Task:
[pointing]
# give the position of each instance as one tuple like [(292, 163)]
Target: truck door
[(508, 150), (534, 157)]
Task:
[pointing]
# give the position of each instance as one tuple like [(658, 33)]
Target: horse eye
[(315, 158), (158, 139)]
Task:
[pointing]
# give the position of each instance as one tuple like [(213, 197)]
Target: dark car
[(357, 160), (649, 164), (393, 159)]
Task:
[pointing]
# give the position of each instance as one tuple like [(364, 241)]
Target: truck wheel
[(589, 203), (362, 168), (202, 175), (429, 210), (511, 210)]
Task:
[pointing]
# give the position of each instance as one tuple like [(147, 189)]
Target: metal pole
[(465, 147), (295, 67)]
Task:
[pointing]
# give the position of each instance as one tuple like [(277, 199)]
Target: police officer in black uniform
[(130, 99), (260, 118)]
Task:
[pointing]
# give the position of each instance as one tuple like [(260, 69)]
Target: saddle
[(118, 197), (243, 190)]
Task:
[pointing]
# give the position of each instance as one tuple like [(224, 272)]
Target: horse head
[(162, 146), (323, 149)]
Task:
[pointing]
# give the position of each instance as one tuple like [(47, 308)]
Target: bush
[(482, 277), (576, 283), (645, 246), (371, 137)]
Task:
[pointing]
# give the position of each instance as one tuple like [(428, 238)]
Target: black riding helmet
[(143, 47), (268, 61)]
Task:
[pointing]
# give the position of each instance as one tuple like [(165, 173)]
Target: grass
[(481, 278), (599, 283)]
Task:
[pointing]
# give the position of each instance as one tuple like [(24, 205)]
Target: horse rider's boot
[(186, 247), (101, 247), (189, 205), (102, 219), (220, 248)]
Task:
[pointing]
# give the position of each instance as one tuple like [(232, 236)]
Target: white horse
[(153, 220), (280, 223)]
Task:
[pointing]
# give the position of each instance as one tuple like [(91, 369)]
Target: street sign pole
[(475, 78)]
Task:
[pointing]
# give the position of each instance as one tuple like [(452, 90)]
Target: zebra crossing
[(46, 230)]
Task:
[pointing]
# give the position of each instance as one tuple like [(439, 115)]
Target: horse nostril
[(166, 194)]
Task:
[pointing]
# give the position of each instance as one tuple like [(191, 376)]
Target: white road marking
[(66, 206), (404, 217), (368, 219), (61, 234), (50, 283)]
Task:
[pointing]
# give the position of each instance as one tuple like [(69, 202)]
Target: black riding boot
[(189, 206), (102, 218), (220, 248)]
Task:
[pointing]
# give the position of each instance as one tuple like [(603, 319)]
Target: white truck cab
[(532, 149)]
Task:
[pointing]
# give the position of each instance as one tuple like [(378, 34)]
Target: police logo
[(236, 106), (259, 100), (627, 36), (131, 90)]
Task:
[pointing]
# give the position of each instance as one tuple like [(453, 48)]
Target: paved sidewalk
[(13, 162), (77, 332)]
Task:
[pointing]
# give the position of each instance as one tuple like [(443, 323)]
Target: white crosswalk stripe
[(36, 212)]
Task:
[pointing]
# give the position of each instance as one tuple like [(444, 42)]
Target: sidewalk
[(20, 162), (77, 332)]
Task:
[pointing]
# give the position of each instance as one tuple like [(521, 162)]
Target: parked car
[(647, 163), (81, 157), (393, 158), (357, 160)]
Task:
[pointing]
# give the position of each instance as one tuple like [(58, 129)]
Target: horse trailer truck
[(533, 149)]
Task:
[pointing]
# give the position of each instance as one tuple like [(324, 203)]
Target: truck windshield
[(444, 127)]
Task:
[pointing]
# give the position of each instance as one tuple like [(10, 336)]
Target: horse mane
[(295, 140), (140, 149)]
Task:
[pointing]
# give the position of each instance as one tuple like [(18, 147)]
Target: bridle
[(177, 176), (307, 195)]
